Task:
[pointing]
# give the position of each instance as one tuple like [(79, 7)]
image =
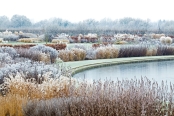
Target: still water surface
[(158, 71)]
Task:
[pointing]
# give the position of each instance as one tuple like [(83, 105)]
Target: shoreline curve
[(78, 66)]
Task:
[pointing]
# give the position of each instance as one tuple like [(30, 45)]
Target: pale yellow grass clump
[(151, 52), (75, 54), (49, 88), (166, 40), (79, 54), (107, 52), (29, 40), (66, 55)]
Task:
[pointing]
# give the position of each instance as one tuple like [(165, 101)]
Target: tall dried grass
[(107, 52), (65, 96), (132, 51), (11, 105), (75, 54), (30, 88), (165, 50), (64, 55), (121, 98), (18, 91)]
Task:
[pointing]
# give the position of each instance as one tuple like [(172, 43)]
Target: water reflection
[(158, 71)]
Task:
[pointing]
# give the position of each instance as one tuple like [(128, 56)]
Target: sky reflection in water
[(158, 71)]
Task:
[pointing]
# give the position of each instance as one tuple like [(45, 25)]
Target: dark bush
[(132, 51), (165, 50)]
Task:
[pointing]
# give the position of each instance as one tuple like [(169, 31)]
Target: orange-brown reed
[(18, 91)]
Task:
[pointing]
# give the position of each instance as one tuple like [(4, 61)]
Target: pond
[(157, 70)]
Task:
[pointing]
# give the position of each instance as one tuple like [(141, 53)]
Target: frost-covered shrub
[(82, 46), (47, 50), (166, 40), (11, 37), (34, 55), (91, 54), (11, 51), (34, 70), (5, 58)]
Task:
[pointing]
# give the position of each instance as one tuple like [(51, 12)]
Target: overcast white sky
[(78, 10)]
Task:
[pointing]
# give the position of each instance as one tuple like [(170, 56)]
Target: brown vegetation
[(120, 98), (75, 54), (57, 46)]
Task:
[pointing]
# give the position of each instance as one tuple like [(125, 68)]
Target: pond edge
[(77, 69)]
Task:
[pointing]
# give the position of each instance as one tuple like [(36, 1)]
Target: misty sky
[(79, 10)]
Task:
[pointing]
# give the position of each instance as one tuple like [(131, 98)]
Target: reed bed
[(165, 50), (121, 98), (132, 51), (70, 97)]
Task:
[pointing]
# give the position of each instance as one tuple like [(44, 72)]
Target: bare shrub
[(5, 58)]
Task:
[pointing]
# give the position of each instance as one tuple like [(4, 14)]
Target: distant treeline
[(105, 26)]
